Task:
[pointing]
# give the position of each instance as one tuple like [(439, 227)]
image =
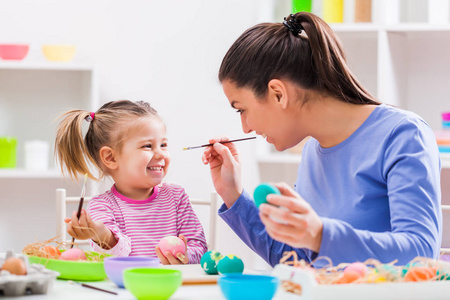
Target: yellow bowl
[(58, 52)]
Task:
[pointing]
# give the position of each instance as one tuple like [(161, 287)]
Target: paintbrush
[(80, 205), (93, 287), (231, 141)]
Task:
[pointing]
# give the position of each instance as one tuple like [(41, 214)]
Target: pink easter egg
[(172, 244), (358, 268), (73, 254)]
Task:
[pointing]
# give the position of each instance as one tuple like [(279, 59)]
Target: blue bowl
[(248, 287), (114, 266)]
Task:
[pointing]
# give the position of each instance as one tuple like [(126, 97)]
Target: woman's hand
[(84, 228), (169, 259), (294, 222), (223, 160)]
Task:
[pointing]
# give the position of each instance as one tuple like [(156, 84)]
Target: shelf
[(63, 66), (276, 158), (22, 173), (403, 27), (445, 160), (288, 158)]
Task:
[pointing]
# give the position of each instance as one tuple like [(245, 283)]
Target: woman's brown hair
[(315, 61), (109, 127)]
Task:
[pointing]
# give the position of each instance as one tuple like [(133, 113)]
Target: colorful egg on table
[(172, 244), (420, 273), (353, 272), (14, 265), (73, 254), (261, 192), (210, 260), (51, 252), (230, 264)]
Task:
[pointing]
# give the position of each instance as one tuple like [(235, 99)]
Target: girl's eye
[(164, 145), (148, 146)]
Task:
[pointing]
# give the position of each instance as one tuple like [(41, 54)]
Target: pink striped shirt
[(139, 225)]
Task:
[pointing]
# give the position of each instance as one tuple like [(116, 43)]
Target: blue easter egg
[(209, 261), (230, 264), (261, 192)]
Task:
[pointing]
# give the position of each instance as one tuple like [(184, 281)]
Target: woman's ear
[(277, 91), (108, 157)]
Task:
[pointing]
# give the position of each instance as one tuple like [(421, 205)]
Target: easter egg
[(172, 244), (358, 268), (14, 265), (261, 192), (420, 273), (230, 264), (210, 260), (73, 254), (51, 252)]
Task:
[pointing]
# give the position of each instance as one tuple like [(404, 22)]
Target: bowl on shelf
[(152, 283), (247, 287), (114, 266), (59, 52), (8, 152), (91, 269), (13, 51)]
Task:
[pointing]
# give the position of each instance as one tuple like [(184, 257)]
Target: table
[(63, 289)]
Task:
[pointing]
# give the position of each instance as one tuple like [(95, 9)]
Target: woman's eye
[(239, 111)]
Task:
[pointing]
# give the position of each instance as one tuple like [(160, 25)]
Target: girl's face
[(144, 158), (264, 117)]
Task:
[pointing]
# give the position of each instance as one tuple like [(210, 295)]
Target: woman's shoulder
[(394, 116)]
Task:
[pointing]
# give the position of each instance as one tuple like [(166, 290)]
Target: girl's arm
[(190, 227), (101, 211)]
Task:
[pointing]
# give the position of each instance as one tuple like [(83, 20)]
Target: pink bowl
[(11, 51)]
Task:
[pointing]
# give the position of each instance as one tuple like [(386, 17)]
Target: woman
[(368, 185)]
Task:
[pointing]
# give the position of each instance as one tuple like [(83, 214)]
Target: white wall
[(164, 52)]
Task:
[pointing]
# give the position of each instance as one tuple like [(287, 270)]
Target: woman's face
[(266, 117)]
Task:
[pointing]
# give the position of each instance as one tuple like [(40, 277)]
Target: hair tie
[(293, 25), (90, 117)]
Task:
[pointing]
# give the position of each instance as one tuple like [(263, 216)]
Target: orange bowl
[(13, 51)]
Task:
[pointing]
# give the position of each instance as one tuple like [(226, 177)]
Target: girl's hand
[(223, 160), (84, 228), (169, 259), (294, 222)]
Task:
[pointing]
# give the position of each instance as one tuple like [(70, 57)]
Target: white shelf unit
[(32, 96), (401, 58)]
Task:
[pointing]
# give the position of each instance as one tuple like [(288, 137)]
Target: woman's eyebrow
[(232, 104)]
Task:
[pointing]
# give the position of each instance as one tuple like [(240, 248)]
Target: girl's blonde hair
[(109, 127)]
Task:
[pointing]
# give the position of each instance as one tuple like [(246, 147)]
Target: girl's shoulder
[(171, 189)]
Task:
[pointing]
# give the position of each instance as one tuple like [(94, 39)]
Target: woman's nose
[(245, 127)]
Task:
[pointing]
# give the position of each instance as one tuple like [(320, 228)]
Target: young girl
[(127, 141), (368, 184)]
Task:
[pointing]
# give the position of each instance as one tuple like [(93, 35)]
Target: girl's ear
[(108, 157), (277, 91)]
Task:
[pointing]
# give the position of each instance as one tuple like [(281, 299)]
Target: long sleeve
[(189, 226), (411, 171), (243, 218), (101, 210)]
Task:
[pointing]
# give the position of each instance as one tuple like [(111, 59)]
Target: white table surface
[(62, 289)]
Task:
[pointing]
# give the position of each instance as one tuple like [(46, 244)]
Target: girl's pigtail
[(70, 148)]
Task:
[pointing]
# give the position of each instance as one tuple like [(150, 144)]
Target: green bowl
[(87, 270), (151, 283)]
